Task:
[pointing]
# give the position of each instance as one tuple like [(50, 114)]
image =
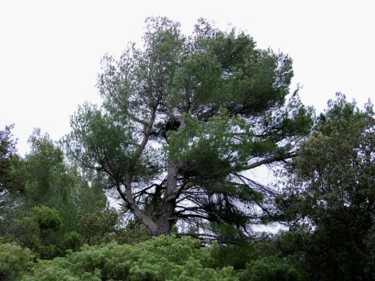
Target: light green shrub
[(14, 261), (158, 259)]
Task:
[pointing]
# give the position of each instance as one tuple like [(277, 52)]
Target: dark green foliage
[(369, 266), (46, 218), (40, 231), (134, 232), (7, 150), (10, 183), (72, 241), (271, 269), (57, 207), (96, 225), (235, 255), (52, 182), (334, 190), (265, 258)]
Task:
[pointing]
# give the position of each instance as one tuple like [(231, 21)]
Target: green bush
[(14, 261), (161, 258), (40, 232), (235, 255), (47, 218), (272, 269), (72, 240)]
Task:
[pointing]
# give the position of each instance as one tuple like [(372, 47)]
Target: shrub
[(72, 240), (272, 269), (14, 261), (161, 258)]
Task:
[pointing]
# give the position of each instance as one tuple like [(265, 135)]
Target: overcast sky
[(50, 50)]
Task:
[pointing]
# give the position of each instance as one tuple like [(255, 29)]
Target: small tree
[(183, 119), (39, 232), (54, 183), (52, 186)]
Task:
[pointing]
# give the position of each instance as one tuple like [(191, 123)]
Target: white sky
[(50, 50)]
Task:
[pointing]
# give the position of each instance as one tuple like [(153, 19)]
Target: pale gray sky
[(50, 50)]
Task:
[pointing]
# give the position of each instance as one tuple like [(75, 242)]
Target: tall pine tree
[(182, 121)]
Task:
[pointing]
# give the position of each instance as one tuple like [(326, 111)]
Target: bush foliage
[(161, 258), (13, 261)]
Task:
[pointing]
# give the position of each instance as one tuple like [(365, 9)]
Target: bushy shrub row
[(158, 259)]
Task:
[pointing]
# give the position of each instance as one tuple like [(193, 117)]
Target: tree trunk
[(137, 212), (166, 219)]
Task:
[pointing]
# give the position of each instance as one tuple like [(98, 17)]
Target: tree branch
[(271, 160), (128, 198)]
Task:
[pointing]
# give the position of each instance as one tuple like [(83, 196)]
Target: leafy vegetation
[(183, 122), (55, 202), (162, 258), (14, 261)]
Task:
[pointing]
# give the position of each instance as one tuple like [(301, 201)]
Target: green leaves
[(14, 261), (102, 143), (272, 269), (9, 162), (221, 145), (162, 258), (57, 200), (46, 218)]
